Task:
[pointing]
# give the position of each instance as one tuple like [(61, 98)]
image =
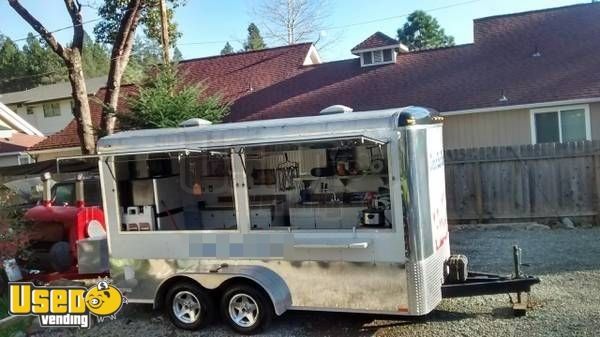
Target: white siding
[(47, 125)]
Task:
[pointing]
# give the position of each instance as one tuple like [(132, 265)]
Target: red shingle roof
[(462, 77), (233, 76), (375, 41), (18, 142)]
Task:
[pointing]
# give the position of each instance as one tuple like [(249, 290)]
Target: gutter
[(522, 106), (57, 149)]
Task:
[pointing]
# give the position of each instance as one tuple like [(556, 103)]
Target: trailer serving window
[(175, 191), (320, 185)]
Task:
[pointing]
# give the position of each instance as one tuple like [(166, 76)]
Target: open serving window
[(319, 185), (176, 191)]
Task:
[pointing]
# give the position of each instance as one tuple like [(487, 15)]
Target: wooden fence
[(497, 184)]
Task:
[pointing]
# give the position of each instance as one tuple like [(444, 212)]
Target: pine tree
[(227, 49), (12, 67), (165, 100), (254, 41), (42, 65), (95, 58), (422, 31), (177, 55)]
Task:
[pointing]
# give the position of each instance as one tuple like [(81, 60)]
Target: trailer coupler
[(477, 284)]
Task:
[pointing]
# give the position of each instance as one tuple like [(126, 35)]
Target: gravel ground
[(564, 304)]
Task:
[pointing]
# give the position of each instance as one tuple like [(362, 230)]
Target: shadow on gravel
[(350, 324)]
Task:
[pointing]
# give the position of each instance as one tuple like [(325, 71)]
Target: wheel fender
[(271, 282)]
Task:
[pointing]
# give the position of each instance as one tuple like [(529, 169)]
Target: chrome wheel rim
[(186, 307), (243, 310)]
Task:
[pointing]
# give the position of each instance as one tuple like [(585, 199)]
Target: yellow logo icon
[(104, 299), (66, 306)]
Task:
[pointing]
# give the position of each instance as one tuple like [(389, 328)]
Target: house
[(16, 136), (232, 76), (48, 107), (527, 78)]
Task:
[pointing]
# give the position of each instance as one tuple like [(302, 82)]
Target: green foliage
[(36, 64), (14, 234), (12, 65), (42, 65), (112, 12), (227, 49), (95, 58), (422, 31), (254, 40), (145, 54), (177, 55), (165, 100)]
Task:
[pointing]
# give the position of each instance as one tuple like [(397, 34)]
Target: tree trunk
[(81, 108), (118, 62)]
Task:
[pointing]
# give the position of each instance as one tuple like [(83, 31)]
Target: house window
[(24, 158), (375, 57), (367, 58), (51, 109), (30, 110), (387, 55), (564, 124)]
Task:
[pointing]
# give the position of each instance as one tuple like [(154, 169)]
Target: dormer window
[(375, 57), (378, 49)]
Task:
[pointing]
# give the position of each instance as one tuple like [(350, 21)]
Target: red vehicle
[(70, 211)]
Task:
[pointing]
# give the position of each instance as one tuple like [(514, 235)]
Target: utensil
[(286, 172)]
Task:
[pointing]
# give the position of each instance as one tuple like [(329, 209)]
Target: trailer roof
[(373, 124)]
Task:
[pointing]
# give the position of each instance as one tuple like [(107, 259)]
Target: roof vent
[(194, 122), (335, 109)]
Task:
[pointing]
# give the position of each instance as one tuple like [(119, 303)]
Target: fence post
[(478, 191), (597, 187)]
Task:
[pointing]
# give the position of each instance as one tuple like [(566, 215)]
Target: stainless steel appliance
[(373, 217)]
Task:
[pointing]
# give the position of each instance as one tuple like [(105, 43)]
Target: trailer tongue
[(476, 283)]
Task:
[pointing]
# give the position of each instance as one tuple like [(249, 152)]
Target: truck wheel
[(246, 309), (60, 256), (189, 306)]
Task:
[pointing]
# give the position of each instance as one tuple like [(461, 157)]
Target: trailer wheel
[(189, 306), (246, 309)]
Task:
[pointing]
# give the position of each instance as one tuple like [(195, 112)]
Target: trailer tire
[(246, 309), (189, 306)]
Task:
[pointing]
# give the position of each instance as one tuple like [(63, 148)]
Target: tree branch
[(121, 51), (74, 9), (39, 28)]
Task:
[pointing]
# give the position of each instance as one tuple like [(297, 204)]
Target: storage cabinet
[(218, 219), (325, 217), (260, 218), (302, 217), (328, 218), (351, 217)]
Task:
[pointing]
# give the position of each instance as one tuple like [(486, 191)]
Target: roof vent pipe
[(194, 122), (335, 109)]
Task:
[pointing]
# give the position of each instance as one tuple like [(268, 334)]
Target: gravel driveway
[(566, 303)]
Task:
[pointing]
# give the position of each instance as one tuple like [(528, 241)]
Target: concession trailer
[(344, 211)]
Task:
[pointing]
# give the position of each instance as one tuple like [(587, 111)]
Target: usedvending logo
[(66, 306)]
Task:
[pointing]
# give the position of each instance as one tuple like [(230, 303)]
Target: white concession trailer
[(337, 212)]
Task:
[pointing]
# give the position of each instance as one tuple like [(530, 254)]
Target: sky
[(207, 24)]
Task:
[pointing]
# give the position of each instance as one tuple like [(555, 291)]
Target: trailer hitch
[(477, 284)]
